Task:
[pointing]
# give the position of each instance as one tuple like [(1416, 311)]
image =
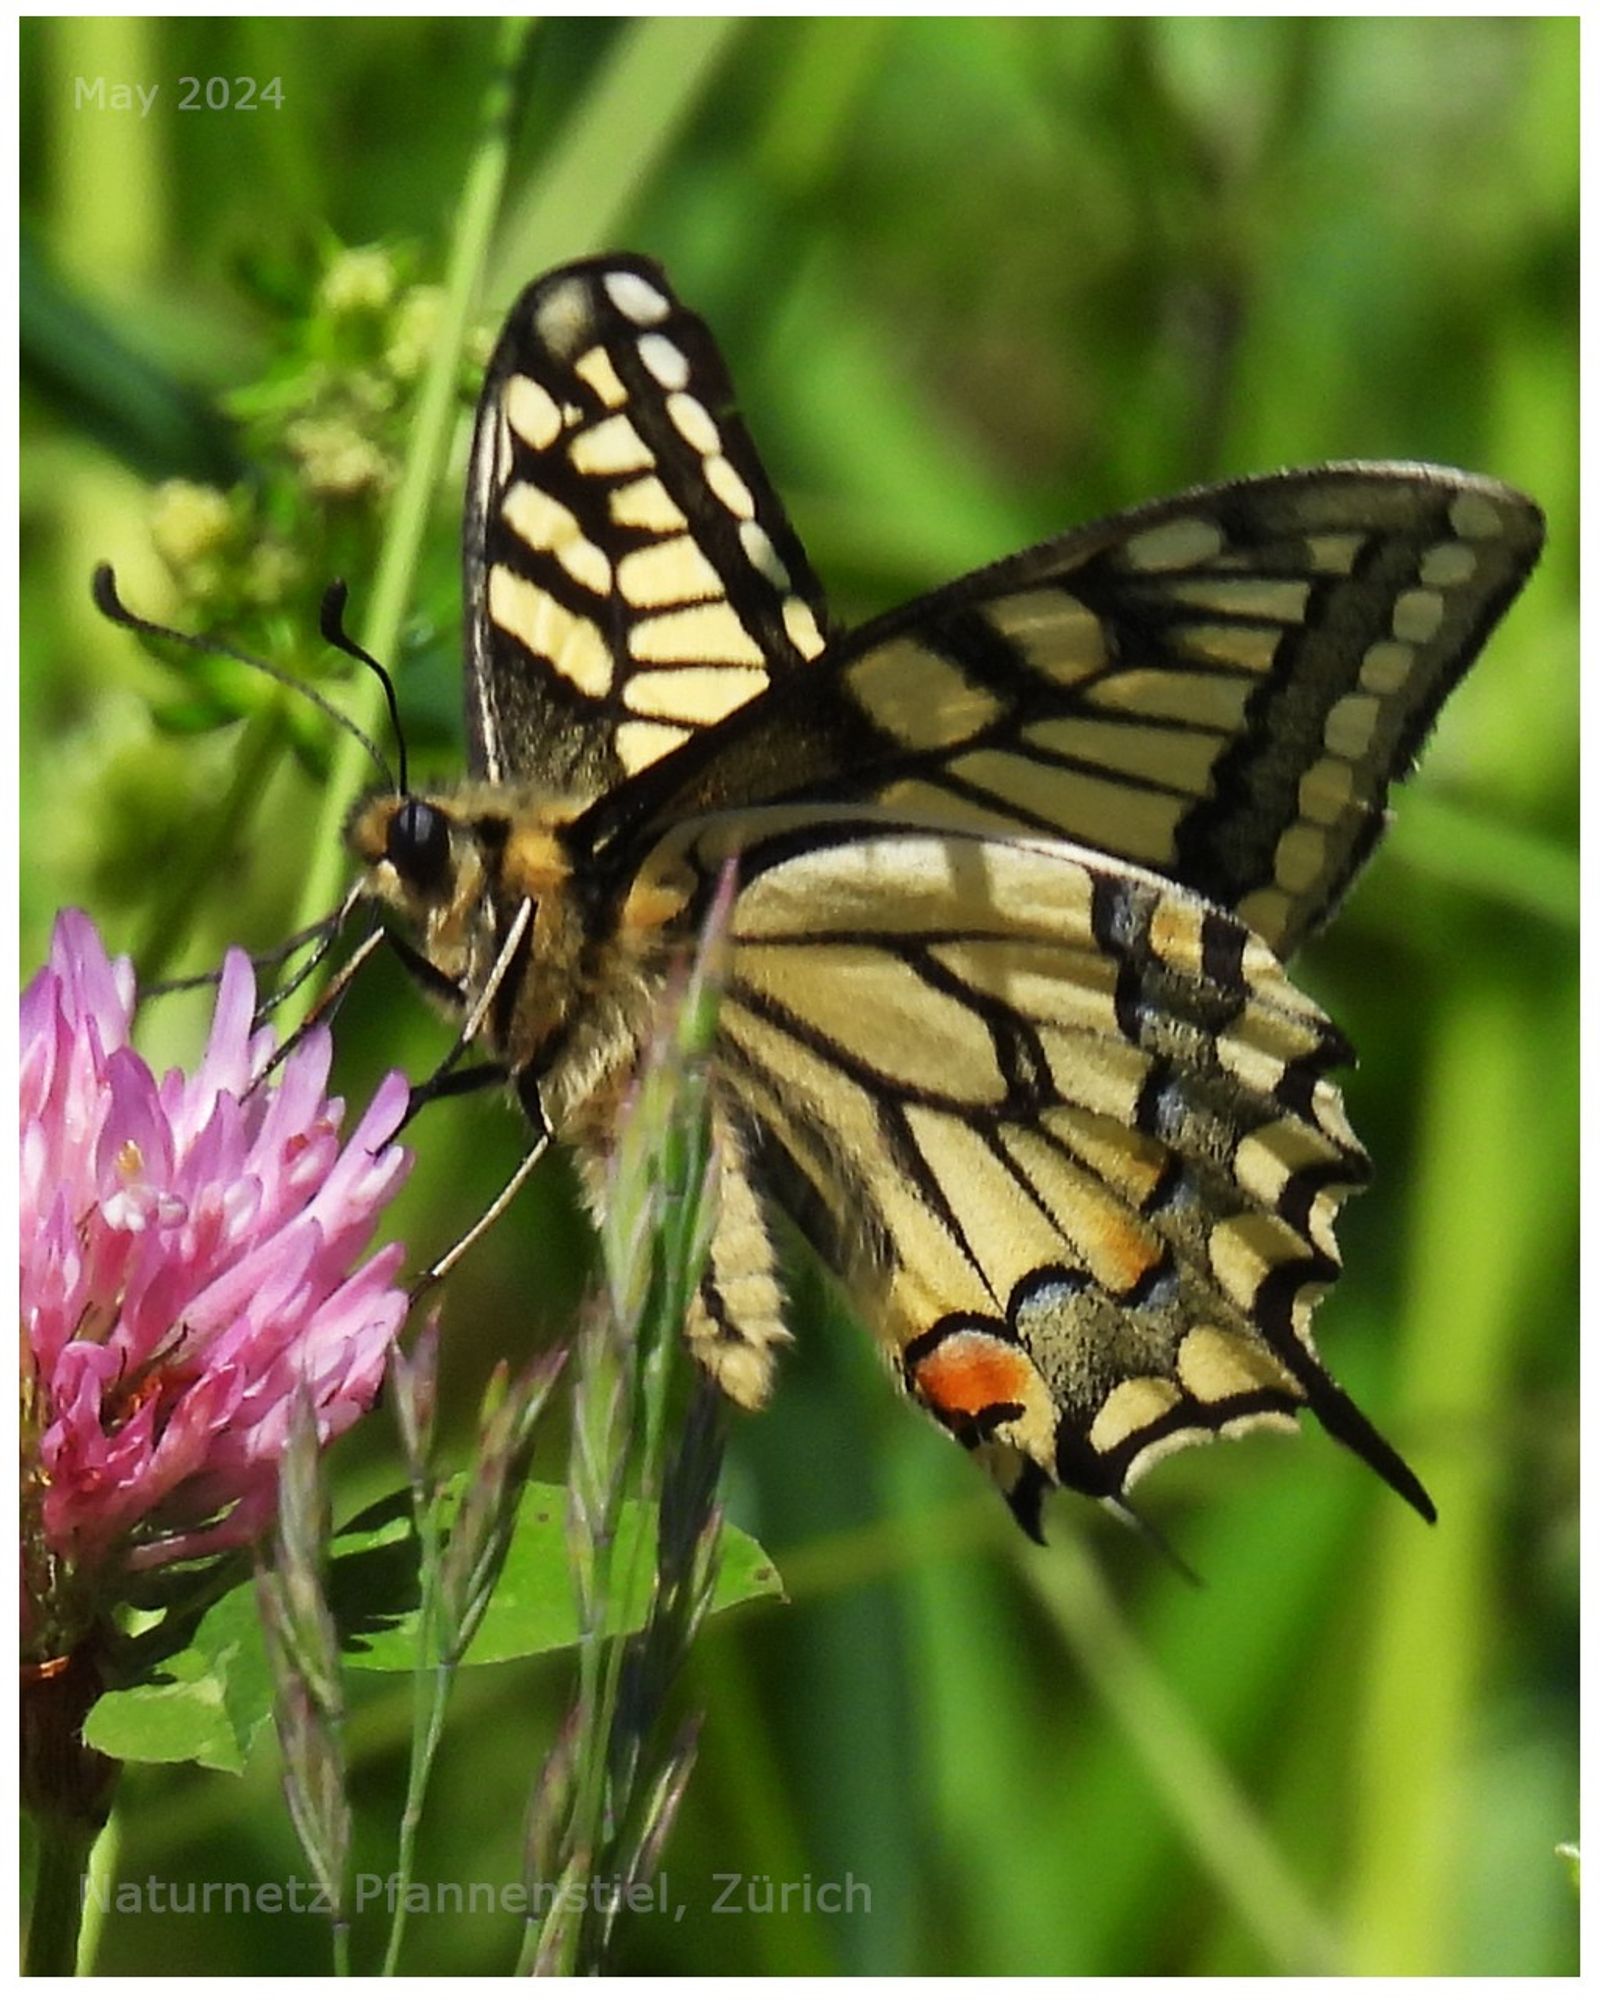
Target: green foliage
[(977, 279), (215, 1692)]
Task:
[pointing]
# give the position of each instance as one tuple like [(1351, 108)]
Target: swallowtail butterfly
[(1007, 1030)]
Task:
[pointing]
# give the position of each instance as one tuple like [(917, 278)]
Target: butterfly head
[(424, 862), (456, 866)]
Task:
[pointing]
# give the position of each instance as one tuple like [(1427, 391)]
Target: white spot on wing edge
[(1299, 859), (1267, 911), (1475, 517), (1177, 544), (562, 318), (799, 621), (693, 423), (636, 298), (1350, 723), (666, 362), (757, 545), (1327, 788), (729, 488), (1416, 615), (1386, 666)]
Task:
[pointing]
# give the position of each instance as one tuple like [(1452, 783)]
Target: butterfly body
[(1006, 1029)]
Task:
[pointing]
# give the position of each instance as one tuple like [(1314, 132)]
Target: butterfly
[(1006, 1029)]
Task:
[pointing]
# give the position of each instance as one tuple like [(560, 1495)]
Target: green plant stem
[(1477, 1247), (101, 1874), (673, 1191), (684, 1162), (1223, 1831), (600, 1661), (55, 1920), (654, 77), (428, 1715), (643, 1462), (204, 855), (599, 1664), (613, 1653), (430, 1688), (419, 479)]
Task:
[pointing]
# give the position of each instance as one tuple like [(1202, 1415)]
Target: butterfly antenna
[(111, 606), (325, 934), (334, 600)]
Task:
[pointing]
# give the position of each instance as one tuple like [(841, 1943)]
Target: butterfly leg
[(439, 1268), (433, 982), (446, 1082)]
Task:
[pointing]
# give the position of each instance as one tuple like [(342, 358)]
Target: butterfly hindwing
[(630, 576), (1066, 1129), (1220, 688)]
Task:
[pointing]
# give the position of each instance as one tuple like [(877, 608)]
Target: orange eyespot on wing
[(969, 1377)]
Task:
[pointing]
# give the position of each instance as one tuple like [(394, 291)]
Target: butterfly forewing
[(630, 576), (1220, 688)]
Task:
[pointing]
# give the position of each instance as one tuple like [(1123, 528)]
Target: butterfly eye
[(419, 845)]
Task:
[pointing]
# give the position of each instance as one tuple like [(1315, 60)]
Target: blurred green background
[(975, 280)]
